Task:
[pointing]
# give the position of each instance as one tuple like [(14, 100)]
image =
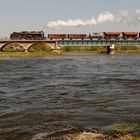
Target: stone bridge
[(56, 44), (26, 44)]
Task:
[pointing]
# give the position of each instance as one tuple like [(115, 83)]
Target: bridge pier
[(26, 46), (111, 49), (26, 50), (108, 50), (54, 45)]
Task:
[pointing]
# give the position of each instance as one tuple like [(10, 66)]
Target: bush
[(41, 47)]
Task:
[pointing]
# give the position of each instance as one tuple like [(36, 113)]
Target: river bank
[(128, 130), (41, 49), (48, 94), (39, 54), (118, 131), (86, 134), (101, 49), (28, 54)]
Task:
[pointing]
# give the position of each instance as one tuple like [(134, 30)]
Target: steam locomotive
[(25, 35), (39, 35)]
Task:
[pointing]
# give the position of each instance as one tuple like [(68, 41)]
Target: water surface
[(43, 94)]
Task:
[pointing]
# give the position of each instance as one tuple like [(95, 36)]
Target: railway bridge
[(26, 44), (57, 44), (109, 44), (99, 42)]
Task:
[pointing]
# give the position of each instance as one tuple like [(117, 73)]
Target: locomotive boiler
[(25, 35)]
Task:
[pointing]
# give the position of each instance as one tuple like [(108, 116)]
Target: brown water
[(43, 94)]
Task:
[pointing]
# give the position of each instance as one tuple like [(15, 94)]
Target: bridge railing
[(98, 42)]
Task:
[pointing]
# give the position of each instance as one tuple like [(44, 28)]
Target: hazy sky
[(22, 15)]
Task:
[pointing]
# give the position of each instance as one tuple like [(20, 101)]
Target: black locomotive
[(25, 35)]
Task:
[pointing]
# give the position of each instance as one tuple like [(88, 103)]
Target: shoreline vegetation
[(118, 131), (28, 54), (41, 49), (100, 49)]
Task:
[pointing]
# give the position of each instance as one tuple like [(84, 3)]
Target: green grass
[(41, 47), (101, 49), (128, 51), (124, 126), (83, 49), (78, 49)]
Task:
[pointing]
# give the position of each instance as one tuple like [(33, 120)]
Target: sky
[(36, 15)]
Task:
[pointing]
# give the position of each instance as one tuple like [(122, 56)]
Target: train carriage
[(57, 36), (130, 35), (77, 36), (96, 35), (112, 35)]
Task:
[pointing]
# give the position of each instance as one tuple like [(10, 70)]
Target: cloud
[(121, 17), (137, 16), (103, 17)]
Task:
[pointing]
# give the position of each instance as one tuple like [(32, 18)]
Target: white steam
[(103, 17), (121, 17), (137, 16)]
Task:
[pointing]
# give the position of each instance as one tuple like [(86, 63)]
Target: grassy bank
[(27, 54), (118, 131), (101, 49), (94, 49), (127, 49)]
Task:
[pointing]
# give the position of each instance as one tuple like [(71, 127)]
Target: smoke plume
[(121, 17), (137, 16)]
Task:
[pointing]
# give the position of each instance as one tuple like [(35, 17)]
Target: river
[(44, 94)]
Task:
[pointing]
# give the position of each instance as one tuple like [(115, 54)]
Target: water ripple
[(50, 93)]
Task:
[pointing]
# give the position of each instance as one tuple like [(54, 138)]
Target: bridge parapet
[(98, 42)]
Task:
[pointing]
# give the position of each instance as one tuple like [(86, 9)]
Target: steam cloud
[(122, 17)]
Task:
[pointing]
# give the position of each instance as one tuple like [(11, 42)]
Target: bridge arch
[(25, 45), (17, 47), (40, 46)]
